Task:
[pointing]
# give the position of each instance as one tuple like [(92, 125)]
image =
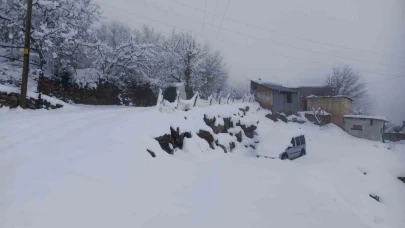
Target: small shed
[(366, 127), (275, 97)]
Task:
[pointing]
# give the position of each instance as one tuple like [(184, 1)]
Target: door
[(290, 150), (297, 148)]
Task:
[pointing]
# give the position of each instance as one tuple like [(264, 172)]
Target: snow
[(324, 113), (337, 96), (88, 167), (366, 117)]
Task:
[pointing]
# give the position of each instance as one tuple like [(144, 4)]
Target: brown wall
[(264, 96), (337, 106), (304, 92)]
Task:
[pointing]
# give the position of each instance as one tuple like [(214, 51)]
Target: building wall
[(264, 95), (337, 106), (304, 92), (362, 128), (281, 105)]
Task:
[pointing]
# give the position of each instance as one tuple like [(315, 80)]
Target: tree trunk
[(188, 88)]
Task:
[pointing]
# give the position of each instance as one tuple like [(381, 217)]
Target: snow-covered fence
[(196, 101)]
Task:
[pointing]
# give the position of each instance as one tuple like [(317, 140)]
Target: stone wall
[(105, 93), (394, 137), (12, 100)]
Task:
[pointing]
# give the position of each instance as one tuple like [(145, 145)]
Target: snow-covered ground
[(87, 166)]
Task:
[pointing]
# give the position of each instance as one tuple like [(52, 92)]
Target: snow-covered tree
[(213, 75), (184, 57), (117, 54), (57, 28), (347, 82)]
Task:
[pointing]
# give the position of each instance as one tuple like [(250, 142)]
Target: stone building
[(337, 106), (367, 127)]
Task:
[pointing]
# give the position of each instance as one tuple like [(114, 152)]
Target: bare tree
[(345, 81)]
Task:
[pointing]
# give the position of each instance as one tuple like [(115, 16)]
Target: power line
[(283, 55), (215, 12), (289, 35), (222, 21), (204, 15), (269, 39)]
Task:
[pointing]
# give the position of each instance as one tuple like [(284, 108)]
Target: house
[(366, 127), (275, 97), (337, 106)]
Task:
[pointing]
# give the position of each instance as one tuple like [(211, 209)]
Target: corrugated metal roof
[(277, 87)]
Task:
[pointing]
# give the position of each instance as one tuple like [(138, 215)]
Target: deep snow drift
[(84, 166)]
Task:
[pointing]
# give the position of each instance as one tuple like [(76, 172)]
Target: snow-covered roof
[(338, 96), (306, 86), (325, 113), (366, 117), (275, 86)]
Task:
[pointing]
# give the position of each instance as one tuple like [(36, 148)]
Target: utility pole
[(26, 63)]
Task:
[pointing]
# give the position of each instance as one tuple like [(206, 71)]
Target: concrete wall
[(337, 106), (362, 128), (281, 105)]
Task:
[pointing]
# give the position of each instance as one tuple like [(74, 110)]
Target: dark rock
[(239, 136), (14, 94), (164, 142), (230, 133), (58, 106), (211, 123), (246, 146), (177, 138), (401, 179), (222, 146), (252, 146), (13, 98), (272, 117), (282, 117), (232, 145), (377, 198), (151, 153), (249, 131), (207, 136), (227, 124), (90, 100)]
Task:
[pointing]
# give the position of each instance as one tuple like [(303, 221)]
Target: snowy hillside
[(85, 166)]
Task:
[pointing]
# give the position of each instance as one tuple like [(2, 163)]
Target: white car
[(285, 144)]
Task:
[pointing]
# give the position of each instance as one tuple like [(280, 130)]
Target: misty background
[(290, 42)]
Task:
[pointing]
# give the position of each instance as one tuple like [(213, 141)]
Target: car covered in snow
[(285, 144)]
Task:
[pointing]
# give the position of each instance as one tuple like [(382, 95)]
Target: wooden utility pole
[(24, 82)]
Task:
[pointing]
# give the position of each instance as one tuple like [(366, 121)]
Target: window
[(297, 139), (357, 127), (292, 142), (371, 122), (302, 139), (289, 98)]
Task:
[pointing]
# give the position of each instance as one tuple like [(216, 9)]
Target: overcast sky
[(290, 41)]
